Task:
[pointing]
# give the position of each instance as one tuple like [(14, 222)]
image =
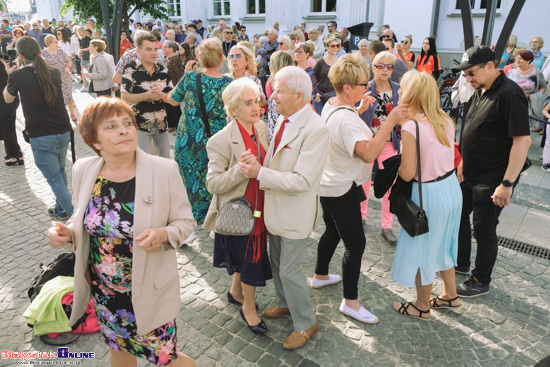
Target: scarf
[(537, 53), (257, 241)]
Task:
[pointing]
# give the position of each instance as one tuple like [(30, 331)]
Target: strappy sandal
[(434, 304), (403, 311), (13, 161)]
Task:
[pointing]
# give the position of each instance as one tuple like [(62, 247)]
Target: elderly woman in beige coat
[(244, 257), (131, 214)]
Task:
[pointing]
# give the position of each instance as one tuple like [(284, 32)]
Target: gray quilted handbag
[(235, 218)]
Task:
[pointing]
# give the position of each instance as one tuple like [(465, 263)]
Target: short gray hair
[(232, 93), (285, 40), (297, 80), (263, 39), (363, 42)]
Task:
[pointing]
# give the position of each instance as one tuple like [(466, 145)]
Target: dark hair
[(28, 47), (99, 44), (173, 45), (390, 40), (332, 23), (527, 55), (187, 55), (376, 46), (156, 34), (431, 52), (98, 111), (192, 25), (64, 35)]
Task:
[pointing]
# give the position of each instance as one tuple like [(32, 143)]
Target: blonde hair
[(232, 94), (300, 35), (421, 94), (210, 53), (49, 39), (539, 38), (99, 44), (248, 55), (349, 69), (385, 57), (279, 59)]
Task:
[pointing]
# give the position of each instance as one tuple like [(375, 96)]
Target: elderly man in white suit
[(290, 177)]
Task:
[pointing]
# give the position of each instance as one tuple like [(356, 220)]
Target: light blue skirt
[(436, 250)]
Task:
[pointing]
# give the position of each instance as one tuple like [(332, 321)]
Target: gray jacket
[(102, 74)]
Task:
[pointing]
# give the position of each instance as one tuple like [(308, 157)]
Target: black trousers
[(7, 129), (485, 220), (342, 217)]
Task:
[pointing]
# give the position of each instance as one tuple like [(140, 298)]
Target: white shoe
[(84, 89), (362, 315), (190, 239), (213, 235), (332, 279)]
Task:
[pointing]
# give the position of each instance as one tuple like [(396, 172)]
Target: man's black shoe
[(462, 270), (472, 288)]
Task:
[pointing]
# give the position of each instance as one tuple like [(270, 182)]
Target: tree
[(86, 9)]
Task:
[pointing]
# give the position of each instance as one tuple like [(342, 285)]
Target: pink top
[(268, 89), (435, 158), (311, 62)]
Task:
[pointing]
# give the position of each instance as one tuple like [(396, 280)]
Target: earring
[(348, 98)]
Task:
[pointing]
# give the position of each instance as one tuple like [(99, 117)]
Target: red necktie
[(279, 134)]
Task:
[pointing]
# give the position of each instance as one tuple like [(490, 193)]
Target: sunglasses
[(334, 46), (363, 84), (471, 73), (228, 32), (405, 42), (236, 57), (386, 36), (384, 66), (280, 43)]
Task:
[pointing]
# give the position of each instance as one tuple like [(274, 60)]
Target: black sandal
[(434, 304), (13, 161), (403, 311)]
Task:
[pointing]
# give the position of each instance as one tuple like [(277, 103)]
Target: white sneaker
[(84, 89), (190, 239), (361, 315), (213, 235), (332, 279)]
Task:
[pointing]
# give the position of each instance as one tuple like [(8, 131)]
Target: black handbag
[(413, 218)]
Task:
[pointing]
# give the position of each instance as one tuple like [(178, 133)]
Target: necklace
[(525, 71)]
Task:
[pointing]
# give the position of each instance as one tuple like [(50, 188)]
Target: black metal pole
[(488, 26), (467, 23), (508, 27)]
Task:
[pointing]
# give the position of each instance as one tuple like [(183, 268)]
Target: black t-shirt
[(493, 118), (321, 73), (85, 43), (39, 120), (3, 83)]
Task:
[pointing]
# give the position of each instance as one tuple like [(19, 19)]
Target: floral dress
[(58, 61), (190, 149), (109, 221)]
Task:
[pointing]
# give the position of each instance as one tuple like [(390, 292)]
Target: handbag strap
[(203, 107), (260, 158), (418, 163)]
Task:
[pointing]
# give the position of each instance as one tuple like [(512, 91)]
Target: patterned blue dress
[(190, 149), (109, 221)]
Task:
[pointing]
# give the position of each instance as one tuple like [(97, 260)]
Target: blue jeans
[(324, 99), (50, 155)]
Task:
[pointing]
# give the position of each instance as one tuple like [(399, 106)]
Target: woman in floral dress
[(125, 235), (190, 149)]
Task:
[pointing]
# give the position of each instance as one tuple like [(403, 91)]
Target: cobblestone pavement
[(508, 327)]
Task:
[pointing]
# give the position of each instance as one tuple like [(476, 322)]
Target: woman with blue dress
[(419, 258), (190, 149)]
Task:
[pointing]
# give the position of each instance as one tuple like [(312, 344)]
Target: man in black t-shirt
[(494, 144)]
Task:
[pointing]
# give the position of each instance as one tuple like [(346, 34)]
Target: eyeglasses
[(299, 52), (334, 46), (236, 57), (386, 36), (405, 42), (382, 66), (228, 32), (472, 72), (280, 43), (363, 84)]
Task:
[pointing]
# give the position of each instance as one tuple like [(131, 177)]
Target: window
[(221, 7), (323, 6), (255, 7), (477, 5), (173, 7)]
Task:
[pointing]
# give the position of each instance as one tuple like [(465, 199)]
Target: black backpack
[(62, 265)]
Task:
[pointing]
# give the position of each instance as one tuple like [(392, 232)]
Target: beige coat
[(223, 179), (291, 180), (160, 201)]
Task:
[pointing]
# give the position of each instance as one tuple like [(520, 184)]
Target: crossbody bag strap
[(203, 107), (260, 159), (418, 163)]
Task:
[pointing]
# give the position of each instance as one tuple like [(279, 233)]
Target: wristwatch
[(506, 183)]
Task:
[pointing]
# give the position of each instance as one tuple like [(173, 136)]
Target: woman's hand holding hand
[(249, 165), (318, 97), (366, 102), (152, 239), (398, 115), (59, 235)]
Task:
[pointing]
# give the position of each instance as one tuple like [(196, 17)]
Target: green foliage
[(85, 9)]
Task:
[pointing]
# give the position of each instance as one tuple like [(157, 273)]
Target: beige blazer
[(160, 201), (291, 180), (223, 179)]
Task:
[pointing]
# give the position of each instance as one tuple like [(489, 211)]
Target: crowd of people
[(334, 120)]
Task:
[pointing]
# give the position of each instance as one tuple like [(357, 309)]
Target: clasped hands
[(150, 240), (249, 165)]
